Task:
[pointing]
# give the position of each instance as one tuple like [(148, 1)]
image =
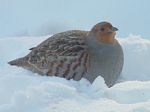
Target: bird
[(76, 54)]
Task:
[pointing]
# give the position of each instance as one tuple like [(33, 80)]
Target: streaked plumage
[(69, 55)]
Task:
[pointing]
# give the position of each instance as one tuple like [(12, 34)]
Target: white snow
[(24, 91)]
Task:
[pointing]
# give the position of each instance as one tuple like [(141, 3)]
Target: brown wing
[(64, 54)]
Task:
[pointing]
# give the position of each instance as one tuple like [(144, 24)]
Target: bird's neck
[(95, 47), (94, 41), (110, 39), (106, 40)]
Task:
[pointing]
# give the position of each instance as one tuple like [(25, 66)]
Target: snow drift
[(24, 91)]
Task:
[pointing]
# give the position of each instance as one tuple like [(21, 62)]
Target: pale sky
[(42, 17)]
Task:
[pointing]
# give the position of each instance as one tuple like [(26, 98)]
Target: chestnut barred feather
[(64, 55)]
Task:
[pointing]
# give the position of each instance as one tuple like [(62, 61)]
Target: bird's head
[(104, 32)]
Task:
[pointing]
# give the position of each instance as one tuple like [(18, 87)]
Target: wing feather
[(60, 54)]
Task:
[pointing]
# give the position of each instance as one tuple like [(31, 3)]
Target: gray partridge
[(75, 54)]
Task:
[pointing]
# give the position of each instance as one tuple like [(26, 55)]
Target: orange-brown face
[(104, 32)]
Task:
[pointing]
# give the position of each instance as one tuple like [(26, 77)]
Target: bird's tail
[(18, 62)]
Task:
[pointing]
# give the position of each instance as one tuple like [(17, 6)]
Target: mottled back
[(64, 55)]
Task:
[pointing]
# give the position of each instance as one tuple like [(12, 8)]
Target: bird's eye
[(102, 29)]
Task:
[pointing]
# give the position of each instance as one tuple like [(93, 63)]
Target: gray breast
[(105, 60)]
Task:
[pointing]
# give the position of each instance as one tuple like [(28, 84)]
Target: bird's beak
[(113, 29)]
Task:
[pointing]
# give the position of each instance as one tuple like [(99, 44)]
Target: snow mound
[(24, 91)]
